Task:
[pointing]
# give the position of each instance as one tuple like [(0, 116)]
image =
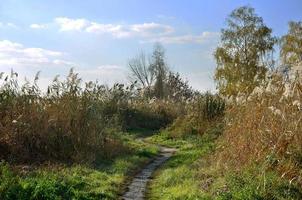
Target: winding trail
[(137, 188)]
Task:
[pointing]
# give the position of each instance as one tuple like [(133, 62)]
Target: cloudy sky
[(98, 37)]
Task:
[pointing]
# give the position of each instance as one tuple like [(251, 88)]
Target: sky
[(98, 37)]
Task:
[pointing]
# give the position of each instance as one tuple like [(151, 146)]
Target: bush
[(203, 113)]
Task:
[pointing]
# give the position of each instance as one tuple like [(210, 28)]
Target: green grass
[(249, 184), (189, 175), (178, 178), (186, 176), (104, 181), (141, 132)]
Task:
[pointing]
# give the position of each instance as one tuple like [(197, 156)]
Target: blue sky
[(98, 37)]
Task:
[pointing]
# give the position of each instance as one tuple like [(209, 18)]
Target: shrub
[(204, 112)]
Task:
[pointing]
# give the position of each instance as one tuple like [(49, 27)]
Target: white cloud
[(38, 26), (8, 25), (154, 32), (14, 54), (117, 30), (148, 32), (63, 62), (149, 29), (182, 39), (110, 67), (67, 24), (28, 60)]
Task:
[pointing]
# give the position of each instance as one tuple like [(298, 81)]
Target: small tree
[(243, 55), (158, 64), (291, 44), (178, 89)]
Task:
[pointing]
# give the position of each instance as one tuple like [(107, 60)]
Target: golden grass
[(266, 129), (72, 121)]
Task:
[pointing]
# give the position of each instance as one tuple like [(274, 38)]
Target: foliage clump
[(244, 56)]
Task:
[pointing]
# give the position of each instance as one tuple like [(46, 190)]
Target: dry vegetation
[(256, 116), (71, 122), (259, 152), (266, 129), (203, 113)]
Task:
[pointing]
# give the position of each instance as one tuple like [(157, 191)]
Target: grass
[(78, 134), (73, 121), (192, 173), (104, 181), (178, 178), (247, 185)]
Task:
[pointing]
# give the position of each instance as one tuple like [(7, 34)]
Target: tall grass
[(73, 121), (266, 130)]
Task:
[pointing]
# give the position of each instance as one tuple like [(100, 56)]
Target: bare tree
[(150, 73), (141, 71)]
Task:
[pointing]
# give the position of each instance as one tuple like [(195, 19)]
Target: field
[(152, 135)]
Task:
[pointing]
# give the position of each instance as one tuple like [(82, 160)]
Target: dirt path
[(137, 188)]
